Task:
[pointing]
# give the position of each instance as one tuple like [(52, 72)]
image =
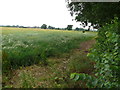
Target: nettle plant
[(106, 54)]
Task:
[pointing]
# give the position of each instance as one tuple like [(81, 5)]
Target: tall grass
[(24, 47)]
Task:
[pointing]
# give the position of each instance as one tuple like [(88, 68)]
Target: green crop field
[(23, 47)]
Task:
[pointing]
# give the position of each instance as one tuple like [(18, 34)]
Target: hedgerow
[(106, 54)]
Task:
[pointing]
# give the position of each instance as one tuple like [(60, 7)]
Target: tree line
[(45, 26)]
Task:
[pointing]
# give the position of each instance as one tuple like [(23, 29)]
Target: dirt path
[(57, 69), (86, 45)]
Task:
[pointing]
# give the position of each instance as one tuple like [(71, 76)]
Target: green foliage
[(44, 58), (91, 81), (25, 47), (85, 63), (106, 54), (44, 26), (69, 27), (27, 80), (79, 29), (96, 13), (51, 27)]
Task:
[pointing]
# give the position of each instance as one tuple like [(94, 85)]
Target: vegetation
[(106, 51), (44, 26), (36, 58), (79, 29), (23, 47), (107, 62), (69, 27), (97, 13), (18, 26), (51, 27)]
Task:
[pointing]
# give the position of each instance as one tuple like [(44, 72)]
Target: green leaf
[(72, 76), (95, 82), (76, 77)]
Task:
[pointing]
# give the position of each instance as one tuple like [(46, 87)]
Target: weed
[(27, 80), (80, 64)]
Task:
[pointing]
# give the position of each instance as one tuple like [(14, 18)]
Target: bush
[(106, 54)]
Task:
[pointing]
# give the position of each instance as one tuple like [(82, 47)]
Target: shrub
[(106, 54)]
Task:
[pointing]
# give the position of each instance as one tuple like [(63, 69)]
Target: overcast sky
[(35, 13)]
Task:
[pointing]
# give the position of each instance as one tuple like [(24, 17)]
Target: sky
[(36, 13)]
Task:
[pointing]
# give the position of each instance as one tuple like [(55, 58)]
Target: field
[(38, 57)]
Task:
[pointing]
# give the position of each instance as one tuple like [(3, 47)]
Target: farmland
[(26, 51)]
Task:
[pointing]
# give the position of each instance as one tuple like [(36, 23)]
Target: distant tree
[(81, 29), (51, 27), (57, 28), (77, 29), (21, 26), (35, 27), (17, 25), (69, 27), (63, 28), (44, 26)]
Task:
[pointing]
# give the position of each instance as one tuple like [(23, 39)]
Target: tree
[(44, 26), (96, 13), (69, 27), (51, 27), (77, 29), (107, 40)]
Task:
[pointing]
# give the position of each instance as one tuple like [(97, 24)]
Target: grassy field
[(26, 47)]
